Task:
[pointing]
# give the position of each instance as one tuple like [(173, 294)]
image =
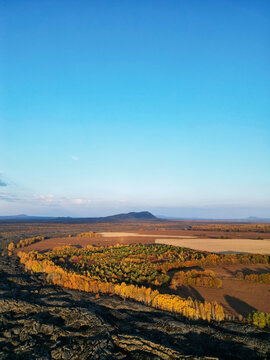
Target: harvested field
[(205, 244), (230, 271), (237, 297), (107, 239), (49, 244), (221, 245)]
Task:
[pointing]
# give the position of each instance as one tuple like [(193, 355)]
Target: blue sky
[(111, 106)]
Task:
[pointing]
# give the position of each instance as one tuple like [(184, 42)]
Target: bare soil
[(238, 297), (204, 244), (230, 271), (49, 244)]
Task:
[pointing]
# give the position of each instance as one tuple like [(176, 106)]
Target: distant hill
[(132, 216)]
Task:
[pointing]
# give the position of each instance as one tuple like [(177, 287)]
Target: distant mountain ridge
[(131, 216)]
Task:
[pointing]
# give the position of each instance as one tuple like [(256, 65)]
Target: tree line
[(24, 242), (261, 228), (205, 278), (261, 278), (211, 260)]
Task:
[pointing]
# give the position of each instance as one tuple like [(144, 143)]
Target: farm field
[(216, 245), (16, 230), (237, 297), (105, 239), (227, 231), (250, 246), (49, 244)]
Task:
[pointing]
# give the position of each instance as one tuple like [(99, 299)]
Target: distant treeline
[(260, 228), (89, 234)]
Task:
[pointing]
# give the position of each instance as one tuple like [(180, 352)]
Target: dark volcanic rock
[(40, 321)]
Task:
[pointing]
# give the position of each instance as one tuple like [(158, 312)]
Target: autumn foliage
[(143, 264), (29, 241), (189, 308), (259, 319), (11, 246), (89, 234), (205, 278), (204, 259), (261, 278), (260, 228), (139, 272)]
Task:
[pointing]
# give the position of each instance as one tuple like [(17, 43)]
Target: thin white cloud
[(75, 158), (39, 197), (59, 201), (44, 198), (80, 201)]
